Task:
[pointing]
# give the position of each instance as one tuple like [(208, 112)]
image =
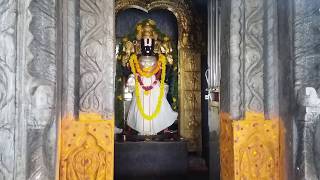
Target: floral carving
[(250, 148), (254, 55), (86, 148), (96, 57)]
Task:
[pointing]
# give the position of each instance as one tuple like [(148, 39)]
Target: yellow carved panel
[(250, 148), (86, 148)]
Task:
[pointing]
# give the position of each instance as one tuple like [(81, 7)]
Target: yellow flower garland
[(162, 60)]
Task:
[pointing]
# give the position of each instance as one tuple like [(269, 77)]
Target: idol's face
[(147, 46)]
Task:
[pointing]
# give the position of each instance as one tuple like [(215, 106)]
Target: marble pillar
[(39, 87), (255, 133), (28, 82), (213, 80), (40, 75), (306, 41), (8, 73)]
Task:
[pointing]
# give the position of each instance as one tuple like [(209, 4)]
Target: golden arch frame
[(189, 65)]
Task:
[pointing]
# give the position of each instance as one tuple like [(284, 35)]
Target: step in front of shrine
[(150, 158)]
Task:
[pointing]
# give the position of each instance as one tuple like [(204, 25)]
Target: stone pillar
[(308, 122), (306, 28), (40, 77), (68, 71), (253, 124), (213, 80), (87, 86), (38, 85), (8, 73), (68, 52), (27, 88)]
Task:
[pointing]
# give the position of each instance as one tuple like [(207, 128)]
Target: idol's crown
[(146, 30)]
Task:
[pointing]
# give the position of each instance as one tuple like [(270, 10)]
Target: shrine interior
[(131, 147)]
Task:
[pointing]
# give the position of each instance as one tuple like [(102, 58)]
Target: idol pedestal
[(150, 158)]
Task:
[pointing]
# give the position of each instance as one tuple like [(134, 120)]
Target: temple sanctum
[(159, 89)]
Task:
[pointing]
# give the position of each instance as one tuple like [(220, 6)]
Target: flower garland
[(162, 61), (142, 72), (144, 87)]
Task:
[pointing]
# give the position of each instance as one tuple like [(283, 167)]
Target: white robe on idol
[(164, 119)]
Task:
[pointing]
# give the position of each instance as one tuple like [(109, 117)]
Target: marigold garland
[(162, 61)]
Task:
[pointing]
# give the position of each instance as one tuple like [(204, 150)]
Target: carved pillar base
[(250, 148), (86, 148)]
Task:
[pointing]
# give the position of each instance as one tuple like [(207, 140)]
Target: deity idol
[(150, 111)]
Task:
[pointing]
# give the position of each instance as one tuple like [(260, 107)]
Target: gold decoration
[(146, 30), (189, 62), (86, 148), (128, 49), (249, 148), (190, 97), (166, 48)]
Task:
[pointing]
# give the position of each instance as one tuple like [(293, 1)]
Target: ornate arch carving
[(180, 8)]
